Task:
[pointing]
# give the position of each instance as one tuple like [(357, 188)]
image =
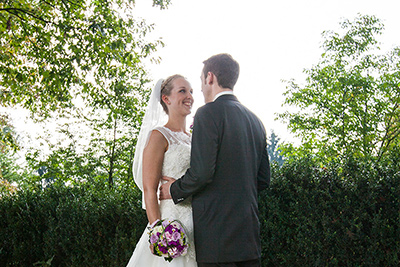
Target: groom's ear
[(210, 78)]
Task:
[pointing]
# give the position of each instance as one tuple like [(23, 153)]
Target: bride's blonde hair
[(166, 88)]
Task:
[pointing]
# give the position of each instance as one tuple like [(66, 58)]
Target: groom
[(229, 165)]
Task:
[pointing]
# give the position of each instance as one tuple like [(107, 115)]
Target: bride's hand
[(164, 189)]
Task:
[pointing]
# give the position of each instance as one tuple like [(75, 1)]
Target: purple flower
[(176, 236), (169, 239), (169, 228), (153, 238), (165, 223), (162, 249)]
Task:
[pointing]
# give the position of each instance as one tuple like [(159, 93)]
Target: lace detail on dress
[(177, 157), (176, 162)]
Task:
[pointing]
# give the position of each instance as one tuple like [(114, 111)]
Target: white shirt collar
[(228, 92)]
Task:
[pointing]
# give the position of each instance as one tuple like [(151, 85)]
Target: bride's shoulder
[(163, 131), (157, 138)]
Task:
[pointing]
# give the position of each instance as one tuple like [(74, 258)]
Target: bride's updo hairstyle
[(166, 88)]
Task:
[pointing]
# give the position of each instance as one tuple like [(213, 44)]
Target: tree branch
[(385, 145), (53, 6), (72, 3), (27, 12), (27, 33), (14, 14)]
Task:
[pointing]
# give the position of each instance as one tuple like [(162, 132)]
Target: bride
[(163, 149)]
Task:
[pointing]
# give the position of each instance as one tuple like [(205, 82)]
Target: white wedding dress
[(176, 162)]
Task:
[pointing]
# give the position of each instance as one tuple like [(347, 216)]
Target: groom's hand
[(164, 189)]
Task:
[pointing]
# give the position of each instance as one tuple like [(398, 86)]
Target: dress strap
[(174, 138), (165, 132)]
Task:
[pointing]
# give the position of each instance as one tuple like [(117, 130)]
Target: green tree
[(8, 136), (10, 169), (8, 146), (350, 102), (82, 61), (51, 51), (274, 151)]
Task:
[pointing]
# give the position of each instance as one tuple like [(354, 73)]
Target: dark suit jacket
[(229, 165)]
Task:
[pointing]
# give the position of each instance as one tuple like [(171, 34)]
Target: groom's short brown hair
[(224, 67)]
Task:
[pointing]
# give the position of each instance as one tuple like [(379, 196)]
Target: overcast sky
[(271, 40)]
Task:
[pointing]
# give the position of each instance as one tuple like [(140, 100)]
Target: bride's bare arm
[(153, 157)]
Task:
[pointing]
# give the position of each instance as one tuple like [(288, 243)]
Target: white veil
[(154, 117)]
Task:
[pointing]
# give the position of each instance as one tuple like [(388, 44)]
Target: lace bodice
[(177, 157)]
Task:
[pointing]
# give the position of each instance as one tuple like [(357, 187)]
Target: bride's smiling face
[(181, 98)]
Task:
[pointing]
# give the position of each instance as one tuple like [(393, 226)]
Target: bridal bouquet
[(168, 239)]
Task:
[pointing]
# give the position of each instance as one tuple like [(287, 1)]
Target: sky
[(271, 40)]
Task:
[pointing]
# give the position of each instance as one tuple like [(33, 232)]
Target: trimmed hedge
[(342, 214), (339, 215), (78, 226)]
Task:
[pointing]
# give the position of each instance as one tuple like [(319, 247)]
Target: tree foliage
[(8, 136), (79, 64), (350, 102), (9, 145), (51, 51), (274, 150)]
